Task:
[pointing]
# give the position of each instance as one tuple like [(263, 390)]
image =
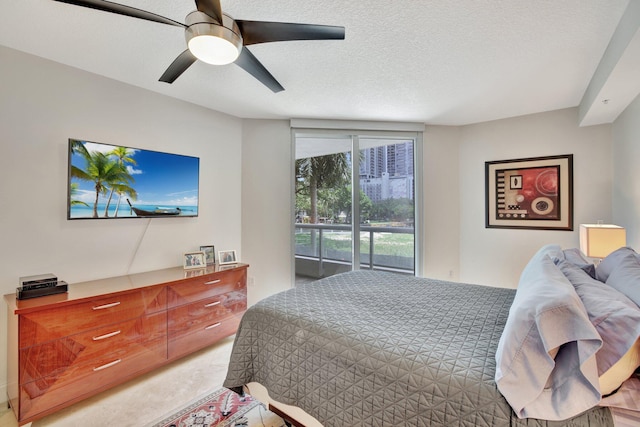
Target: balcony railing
[(381, 248)]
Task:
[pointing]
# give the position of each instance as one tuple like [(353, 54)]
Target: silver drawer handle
[(215, 325), (211, 304), (109, 335), (213, 282), (102, 307), (108, 365)]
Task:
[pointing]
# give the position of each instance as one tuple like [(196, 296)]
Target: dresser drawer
[(54, 358), (46, 325), (209, 285), (87, 377), (204, 313), (200, 334)]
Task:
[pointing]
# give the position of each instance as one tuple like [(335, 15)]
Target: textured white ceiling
[(437, 62)]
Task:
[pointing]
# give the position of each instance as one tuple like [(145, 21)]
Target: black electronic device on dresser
[(40, 285)]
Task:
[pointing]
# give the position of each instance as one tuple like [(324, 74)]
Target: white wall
[(497, 256), (42, 104), (626, 173), (441, 202), (267, 180)]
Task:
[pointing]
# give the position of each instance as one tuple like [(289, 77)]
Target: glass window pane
[(323, 186), (324, 227), (387, 200)]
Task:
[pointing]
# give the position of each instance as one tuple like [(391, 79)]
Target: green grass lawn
[(393, 244)]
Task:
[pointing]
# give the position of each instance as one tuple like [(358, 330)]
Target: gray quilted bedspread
[(381, 349)]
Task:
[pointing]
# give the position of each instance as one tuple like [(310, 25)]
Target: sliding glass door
[(323, 236), (387, 204), (329, 166)]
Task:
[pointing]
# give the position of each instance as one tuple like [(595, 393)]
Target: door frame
[(355, 135)]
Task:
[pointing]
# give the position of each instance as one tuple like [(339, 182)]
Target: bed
[(370, 348)]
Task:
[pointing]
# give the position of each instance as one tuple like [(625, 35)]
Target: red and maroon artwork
[(530, 193)]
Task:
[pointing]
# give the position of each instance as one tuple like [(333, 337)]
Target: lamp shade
[(599, 240)]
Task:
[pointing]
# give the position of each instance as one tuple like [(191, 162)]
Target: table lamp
[(599, 240)]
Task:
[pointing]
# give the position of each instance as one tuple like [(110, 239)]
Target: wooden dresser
[(67, 347)]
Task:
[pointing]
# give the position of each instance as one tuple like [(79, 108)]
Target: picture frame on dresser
[(227, 257), (194, 260), (210, 254)]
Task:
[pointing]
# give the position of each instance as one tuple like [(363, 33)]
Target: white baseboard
[(3, 396)]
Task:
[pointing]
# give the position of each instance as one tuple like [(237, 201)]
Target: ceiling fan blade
[(178, 66), (120, 9), (251, 65), (263, 32), (211, 8)]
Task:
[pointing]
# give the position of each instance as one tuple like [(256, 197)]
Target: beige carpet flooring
[(144, 399)]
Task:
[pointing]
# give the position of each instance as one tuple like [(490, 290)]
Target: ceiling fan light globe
[(213, 42), (213, 49)]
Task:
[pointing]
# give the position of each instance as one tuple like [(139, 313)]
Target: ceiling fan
[(216, 38)]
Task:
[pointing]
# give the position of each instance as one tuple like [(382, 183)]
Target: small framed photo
[(227, 257), (209, 254), (194, 260)]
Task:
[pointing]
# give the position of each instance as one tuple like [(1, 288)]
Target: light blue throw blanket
[(546, 357)]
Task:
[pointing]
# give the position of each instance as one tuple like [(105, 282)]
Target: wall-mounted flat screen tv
[(112, 181)]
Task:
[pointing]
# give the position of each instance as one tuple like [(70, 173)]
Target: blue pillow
[(626, 277), (575, 257), (609, 263)]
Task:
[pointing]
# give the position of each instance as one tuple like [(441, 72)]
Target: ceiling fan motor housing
[(203, 29)]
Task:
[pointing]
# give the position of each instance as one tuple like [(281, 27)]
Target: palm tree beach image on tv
[(111, 181)]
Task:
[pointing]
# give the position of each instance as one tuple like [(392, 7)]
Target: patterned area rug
[(222, 408)]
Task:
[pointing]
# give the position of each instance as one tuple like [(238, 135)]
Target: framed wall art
[(533, 193)]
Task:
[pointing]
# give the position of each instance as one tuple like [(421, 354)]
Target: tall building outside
[(386, 172)]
